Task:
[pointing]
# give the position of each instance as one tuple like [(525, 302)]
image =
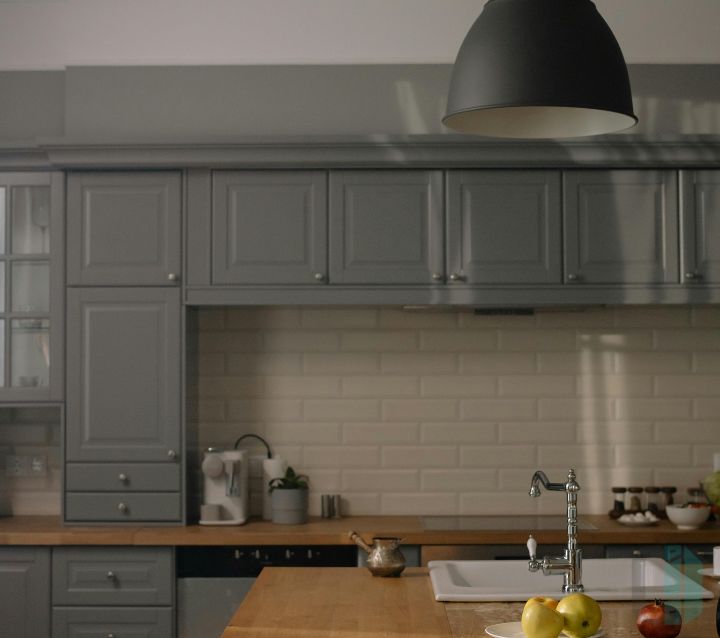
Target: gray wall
[(171, 103)]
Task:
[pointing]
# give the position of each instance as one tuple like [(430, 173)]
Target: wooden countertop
[(346, 602), (49, 530)]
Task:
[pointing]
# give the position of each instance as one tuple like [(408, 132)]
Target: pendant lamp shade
[(540, 69)]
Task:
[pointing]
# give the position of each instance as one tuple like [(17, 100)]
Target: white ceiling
[(52, 34)]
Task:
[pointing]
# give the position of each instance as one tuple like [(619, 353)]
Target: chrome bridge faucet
[(570, 563)]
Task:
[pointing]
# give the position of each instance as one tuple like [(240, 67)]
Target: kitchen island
[(350, 603)]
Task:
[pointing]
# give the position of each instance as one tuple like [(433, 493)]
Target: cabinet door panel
[(504, 226), (121, 622), (24, 592), (621, 226), (269, 227), (112, 576), (123, 228), (123, 381), (701, 226), (386, 227)]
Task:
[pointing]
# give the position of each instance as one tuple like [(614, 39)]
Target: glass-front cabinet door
[(31, 286)]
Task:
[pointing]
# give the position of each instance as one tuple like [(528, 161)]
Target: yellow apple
[(542, 600), (582, 615), (540, 620)]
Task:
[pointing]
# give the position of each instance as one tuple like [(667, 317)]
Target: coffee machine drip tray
[(499, 523)]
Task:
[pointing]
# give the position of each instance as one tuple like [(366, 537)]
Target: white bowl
[(688, 517)]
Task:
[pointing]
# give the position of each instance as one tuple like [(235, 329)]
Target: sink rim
[(446, 590)]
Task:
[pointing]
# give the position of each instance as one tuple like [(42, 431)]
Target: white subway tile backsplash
[(458, 386), (341, 409), (377, 386), (537, 432), (457, 340), (653, 456), (417, 456), (380, 433), (536, 340), (341, 363), (419, 409), (498, 456), (537, 386), (458, 480), (458, 432), (422, 413), (419, 363), (497, 409), (380, 480), (379, 341)]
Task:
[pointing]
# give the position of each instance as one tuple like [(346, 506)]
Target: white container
[(688, 517)]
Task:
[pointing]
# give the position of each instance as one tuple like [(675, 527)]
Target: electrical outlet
[(38, 466)]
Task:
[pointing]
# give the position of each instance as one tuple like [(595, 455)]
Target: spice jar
[(652, 499), (696, 495), (618, 502), (635, 502)]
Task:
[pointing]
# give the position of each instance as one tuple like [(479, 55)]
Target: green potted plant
[(289, 498)]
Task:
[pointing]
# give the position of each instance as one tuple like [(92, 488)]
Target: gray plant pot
[(289, 507)]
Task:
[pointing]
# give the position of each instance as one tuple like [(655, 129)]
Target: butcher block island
[(350, 603)]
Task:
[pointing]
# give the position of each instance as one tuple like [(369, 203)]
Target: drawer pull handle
[(457, 277), (172, 454), (173, 276), (122, 507), (123, 478), (111, 576), (637, 552), (111, 636)]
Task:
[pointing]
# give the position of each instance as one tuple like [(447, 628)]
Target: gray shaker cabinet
[(621, 227), (503, 227), (269, 227), (386, 227), (124, 228), (700, 246), (24, 592), (123, 375)]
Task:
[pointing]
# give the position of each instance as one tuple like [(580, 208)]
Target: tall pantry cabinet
[(124, 342)]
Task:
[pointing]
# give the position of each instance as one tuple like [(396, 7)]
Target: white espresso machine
[(226, 498)]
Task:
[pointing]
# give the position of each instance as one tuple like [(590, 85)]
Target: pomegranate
[(658, 620)]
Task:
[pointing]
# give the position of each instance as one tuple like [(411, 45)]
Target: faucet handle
[(532, 547)]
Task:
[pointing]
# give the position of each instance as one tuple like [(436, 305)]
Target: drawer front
[(102, 622), (112, 576), (635, 551), (112, 507), (123, 477)]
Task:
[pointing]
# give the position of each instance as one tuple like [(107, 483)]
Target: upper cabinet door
[(504, 227), (701, 226), (269, 227), (123, 383), (124, 229), (621, 227), (386, 227)]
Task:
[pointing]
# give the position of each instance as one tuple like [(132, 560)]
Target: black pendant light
[(540, 69)]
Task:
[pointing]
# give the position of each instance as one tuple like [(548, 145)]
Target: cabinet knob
[(122, 507), (111, 636), (573, 276), (693, 276), (319, 276), (111, 576), (123, 478), (457, 277), (173, 276), (637, 553), (172, 454), (436, 276)]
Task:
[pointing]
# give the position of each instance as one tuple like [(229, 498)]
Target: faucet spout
[(570, 563)]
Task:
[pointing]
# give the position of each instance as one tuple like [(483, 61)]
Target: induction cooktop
[(480, 523)]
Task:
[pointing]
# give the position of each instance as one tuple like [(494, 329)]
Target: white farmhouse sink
[(603, 578)]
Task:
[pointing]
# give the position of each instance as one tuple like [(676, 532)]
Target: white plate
[(708, 571), (514, 630)]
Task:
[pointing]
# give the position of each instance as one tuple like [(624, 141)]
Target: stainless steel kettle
[(384, 555)]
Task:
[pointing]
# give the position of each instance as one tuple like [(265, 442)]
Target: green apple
[(540, 620), (582, 615)]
